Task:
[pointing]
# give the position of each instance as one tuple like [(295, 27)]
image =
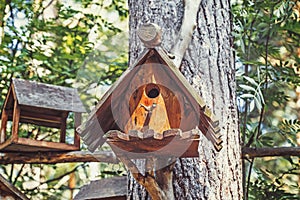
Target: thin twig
[(18, 175), (11, 172), (248, 180), (264, 92), (57, 178), (247, 103)]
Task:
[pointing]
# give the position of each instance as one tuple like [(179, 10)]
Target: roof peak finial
[(150, 34)]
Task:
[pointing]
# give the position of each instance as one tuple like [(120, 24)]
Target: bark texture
[(209, 66)]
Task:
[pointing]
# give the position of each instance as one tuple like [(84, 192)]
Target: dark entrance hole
[(152, 91)]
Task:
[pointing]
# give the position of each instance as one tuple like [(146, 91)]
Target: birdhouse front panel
[(153, 99)]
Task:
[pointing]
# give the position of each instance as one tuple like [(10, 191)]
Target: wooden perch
[(150, 35), (186, 31), (56, 157)]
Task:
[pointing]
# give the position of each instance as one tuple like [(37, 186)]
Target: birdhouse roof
[(8, 189), (41, 95), (111, 113), (104, 189)]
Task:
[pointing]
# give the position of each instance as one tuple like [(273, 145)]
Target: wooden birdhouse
[(151, 109), (41, 105)]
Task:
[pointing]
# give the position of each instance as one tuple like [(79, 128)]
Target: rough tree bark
[(209, 66)]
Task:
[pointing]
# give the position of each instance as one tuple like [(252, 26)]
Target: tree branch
[(56, 178), (57, 157), (186, 31), (248, 152)]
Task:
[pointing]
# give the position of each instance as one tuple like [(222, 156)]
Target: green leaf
[(247, 96), (261, 95), (247, 87), (251, 80), (257, 103)]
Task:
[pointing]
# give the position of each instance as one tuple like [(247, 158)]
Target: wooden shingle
[(109, 189)]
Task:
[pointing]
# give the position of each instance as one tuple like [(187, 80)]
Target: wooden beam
[(57, 157), (4, 119), (248, 152), (16, 120), (77, 122), (109, 157), (63, 127)]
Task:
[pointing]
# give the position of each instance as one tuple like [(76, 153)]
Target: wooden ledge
[(57, 157), (30, 145), (137, 144)]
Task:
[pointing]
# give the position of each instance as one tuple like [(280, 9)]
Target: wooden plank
[(31, 145), (172, 144), (16, 120), (6, 144), (4, 118), (42, 95), (63, 127), (77, 122), (147, 148), (40, 122), (42, 111), (9, 100), (57, 157), (35, 118), (40, 117), (47, 145)]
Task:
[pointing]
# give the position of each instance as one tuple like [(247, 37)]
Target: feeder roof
[(110, 188), (41, 95)]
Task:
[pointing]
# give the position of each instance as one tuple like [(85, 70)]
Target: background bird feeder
[(42, 105), (151, 109)]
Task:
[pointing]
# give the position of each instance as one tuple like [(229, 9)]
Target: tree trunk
[(209, 66)]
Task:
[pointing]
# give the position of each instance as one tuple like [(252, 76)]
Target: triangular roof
[(110, 113), (41, 95)]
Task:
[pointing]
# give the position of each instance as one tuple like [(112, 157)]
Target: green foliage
[(267, 38), (52, 49), (82, 44), (75, 43)]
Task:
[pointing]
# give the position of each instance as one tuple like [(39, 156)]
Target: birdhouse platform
[(137, 144), (42, 105)]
